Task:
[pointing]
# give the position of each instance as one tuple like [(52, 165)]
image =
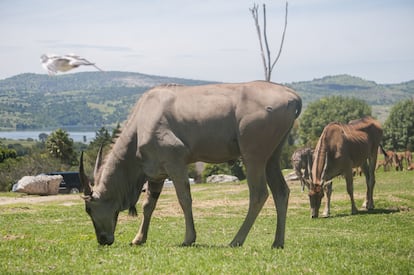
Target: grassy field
[(56, 236)]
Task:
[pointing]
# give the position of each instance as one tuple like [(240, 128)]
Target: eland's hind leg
[(151, 197), (280, 192), (258, 195)]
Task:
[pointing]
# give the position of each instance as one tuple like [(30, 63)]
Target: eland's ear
[(85, 184), (87, 198)]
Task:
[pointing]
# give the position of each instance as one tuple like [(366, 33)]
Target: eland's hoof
[(235, 244)]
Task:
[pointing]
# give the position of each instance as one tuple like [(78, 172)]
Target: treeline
[(398, 129), (58, 152)]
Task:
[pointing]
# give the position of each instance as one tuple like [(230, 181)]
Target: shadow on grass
[(379, 211), (206, 246), (373, 212)]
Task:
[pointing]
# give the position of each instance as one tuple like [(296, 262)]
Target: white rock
[(39, 185), (221, 178), (291, 177)]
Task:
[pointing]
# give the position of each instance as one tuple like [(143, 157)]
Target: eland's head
[(103, 212)]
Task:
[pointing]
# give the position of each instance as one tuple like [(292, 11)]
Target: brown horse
[(340, 148), (399, 159), (408, 158)]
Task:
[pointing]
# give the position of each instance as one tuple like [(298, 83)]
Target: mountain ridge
[(96, 99)]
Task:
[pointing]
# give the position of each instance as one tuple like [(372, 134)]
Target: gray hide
[(172, 126)]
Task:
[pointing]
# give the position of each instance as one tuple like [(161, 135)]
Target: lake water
[(85, 137)]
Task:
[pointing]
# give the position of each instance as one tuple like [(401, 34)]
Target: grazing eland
[(399, 160), (389, 160), (172, 126), (302, 159), (340, 148), (408, 157)]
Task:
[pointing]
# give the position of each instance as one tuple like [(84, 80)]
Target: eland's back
[(216, 123)]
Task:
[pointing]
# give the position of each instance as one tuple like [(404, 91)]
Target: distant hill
[(93, 99), (87, 100), (345, 85), (380, 97)]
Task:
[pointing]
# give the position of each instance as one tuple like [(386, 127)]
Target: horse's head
[(316, 194)]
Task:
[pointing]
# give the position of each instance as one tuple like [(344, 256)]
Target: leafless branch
[(283, 38), (266, 58), (255, 14), (269, 71)]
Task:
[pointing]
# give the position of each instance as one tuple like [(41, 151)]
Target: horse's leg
[(258, 195), (328, 192), (370, 181), (153, 192), (280, 192), (350, 188)]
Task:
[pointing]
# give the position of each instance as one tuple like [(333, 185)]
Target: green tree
[(234, 168), (13, 169), (328, 109), (215, 169), (60, 146), (399, 126), (116, 131), (6, 153), (43, 137), (102, 138)]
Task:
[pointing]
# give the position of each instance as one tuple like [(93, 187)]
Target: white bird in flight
[(54, 63)]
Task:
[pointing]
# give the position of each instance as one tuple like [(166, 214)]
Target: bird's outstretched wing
[(76, 60), (55, 63)]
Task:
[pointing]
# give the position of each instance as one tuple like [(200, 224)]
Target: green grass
[(58, 237)]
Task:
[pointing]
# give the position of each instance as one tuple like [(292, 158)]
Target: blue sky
[(213, 39)]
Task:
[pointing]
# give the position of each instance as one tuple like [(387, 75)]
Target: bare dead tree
[(266, 58)]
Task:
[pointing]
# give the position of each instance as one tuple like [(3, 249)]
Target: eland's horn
[(98, 161), (325, 165), (310, 163), (83, 178)]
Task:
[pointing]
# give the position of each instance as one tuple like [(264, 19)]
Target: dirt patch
[(168, 204), (66, 199)]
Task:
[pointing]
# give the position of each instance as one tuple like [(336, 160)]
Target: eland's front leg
[(182, 188), (328, 192), (152, 194)]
